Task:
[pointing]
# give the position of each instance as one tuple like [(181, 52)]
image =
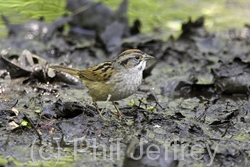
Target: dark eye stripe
[(125, 62)]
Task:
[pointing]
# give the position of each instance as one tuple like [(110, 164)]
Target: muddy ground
[(193, 103)]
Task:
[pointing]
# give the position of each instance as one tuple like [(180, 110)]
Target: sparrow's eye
[(137, 57)]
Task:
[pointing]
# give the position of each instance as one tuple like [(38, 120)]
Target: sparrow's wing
[(101, 72)]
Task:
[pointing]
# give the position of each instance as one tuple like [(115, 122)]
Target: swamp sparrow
[(112, 80)]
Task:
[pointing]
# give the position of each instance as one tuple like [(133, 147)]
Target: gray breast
[(124, 86)]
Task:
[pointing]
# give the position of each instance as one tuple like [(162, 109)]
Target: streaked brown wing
[(101, 72)]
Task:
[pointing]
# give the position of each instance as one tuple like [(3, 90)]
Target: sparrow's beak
[(147, 57)]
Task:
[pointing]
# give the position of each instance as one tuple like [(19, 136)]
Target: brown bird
[(112, 80)]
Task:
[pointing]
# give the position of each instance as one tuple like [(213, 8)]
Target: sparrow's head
[(132, 59)]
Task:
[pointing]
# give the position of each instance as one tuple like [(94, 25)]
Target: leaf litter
[(194, 95)]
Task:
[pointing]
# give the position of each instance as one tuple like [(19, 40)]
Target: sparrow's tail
[(70, 71)]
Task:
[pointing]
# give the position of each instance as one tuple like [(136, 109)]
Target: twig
[(33, 126)]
